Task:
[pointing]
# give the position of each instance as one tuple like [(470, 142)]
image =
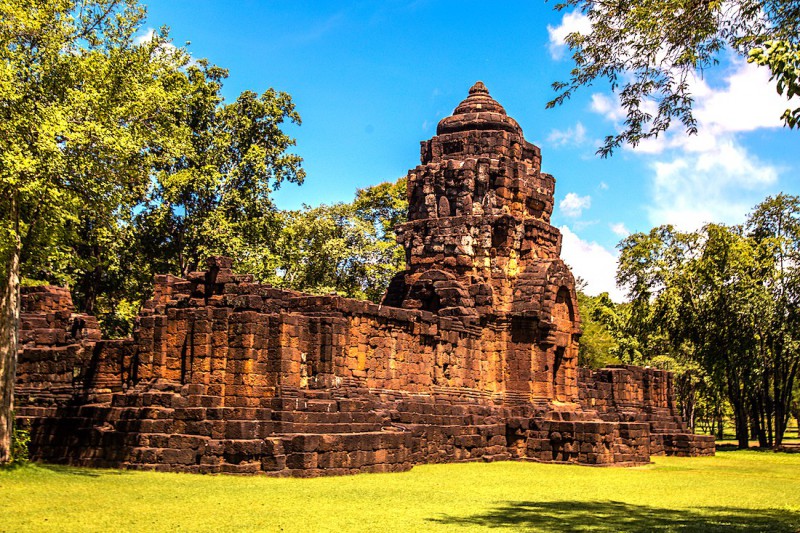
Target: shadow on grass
[(783, 448), (63, 469), (619, 516), (81, 471), (10, 467)]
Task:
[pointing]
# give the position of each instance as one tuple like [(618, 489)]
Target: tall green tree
[(724, 287), (82, 109), (211, 197), (775, 226), (216, 197), (348, 249), (725, 298), (649, 51)]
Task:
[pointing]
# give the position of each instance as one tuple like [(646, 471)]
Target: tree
[(348, 249), (83, 107), (726, 299), (775, 226), (100, 278), (215, 198), (211, 197), (597, 341), (783, 60), (601, 341), (650, 50), (795, 406)]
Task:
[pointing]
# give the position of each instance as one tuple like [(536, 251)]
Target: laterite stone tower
[(471, 356), (479, 244)]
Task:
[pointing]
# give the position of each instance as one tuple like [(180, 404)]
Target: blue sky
[(372, 79)]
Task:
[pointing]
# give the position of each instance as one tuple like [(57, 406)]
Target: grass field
[(734, 491)]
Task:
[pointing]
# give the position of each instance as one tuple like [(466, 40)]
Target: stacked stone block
[(471, 356), (645, 395)]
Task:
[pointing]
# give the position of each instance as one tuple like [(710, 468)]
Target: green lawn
[(734, 491)]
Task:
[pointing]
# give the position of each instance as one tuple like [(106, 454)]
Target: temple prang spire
[(480, 245), (472, 356)]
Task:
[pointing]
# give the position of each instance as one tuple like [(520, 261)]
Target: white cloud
[(573, 22), (747, 101), (711, 176), (718, 185), (590, 261), (573, 205), (570, 136), (607, 106), (603, 186), (147, 36), (619, 229)]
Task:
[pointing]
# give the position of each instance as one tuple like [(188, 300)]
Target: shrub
[(20, 438)]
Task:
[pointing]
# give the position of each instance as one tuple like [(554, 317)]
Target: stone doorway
[(559, 393)]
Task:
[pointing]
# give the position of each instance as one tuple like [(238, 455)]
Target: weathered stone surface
[(472, 355)]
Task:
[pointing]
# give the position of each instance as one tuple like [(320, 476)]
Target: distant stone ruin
[(471, 356)]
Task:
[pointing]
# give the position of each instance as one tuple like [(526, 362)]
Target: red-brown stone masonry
[(264, 345), (472, 356), (632, 393), (375, 346), (248, 354), (60, 351)]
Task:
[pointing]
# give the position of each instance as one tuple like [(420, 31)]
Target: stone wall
[(247, 340), (252, 379), (59, 354), (636, 394), (472, 354)]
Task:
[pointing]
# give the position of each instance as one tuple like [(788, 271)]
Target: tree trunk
[(781, 420), (91, 288), (769, 411), (755, 426), (784, 405), (770, 428), (758, 421), (9, 335), (688, 400), (91, 291), (741, 417)]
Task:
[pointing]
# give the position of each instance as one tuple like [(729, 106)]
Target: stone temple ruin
[(471, 356)]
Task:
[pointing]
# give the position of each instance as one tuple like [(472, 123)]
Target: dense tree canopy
[(348, 249), (613, 335), (214, 198), (650, 50), (83, 110), (207, 191), (726, 299), (599, 343)]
